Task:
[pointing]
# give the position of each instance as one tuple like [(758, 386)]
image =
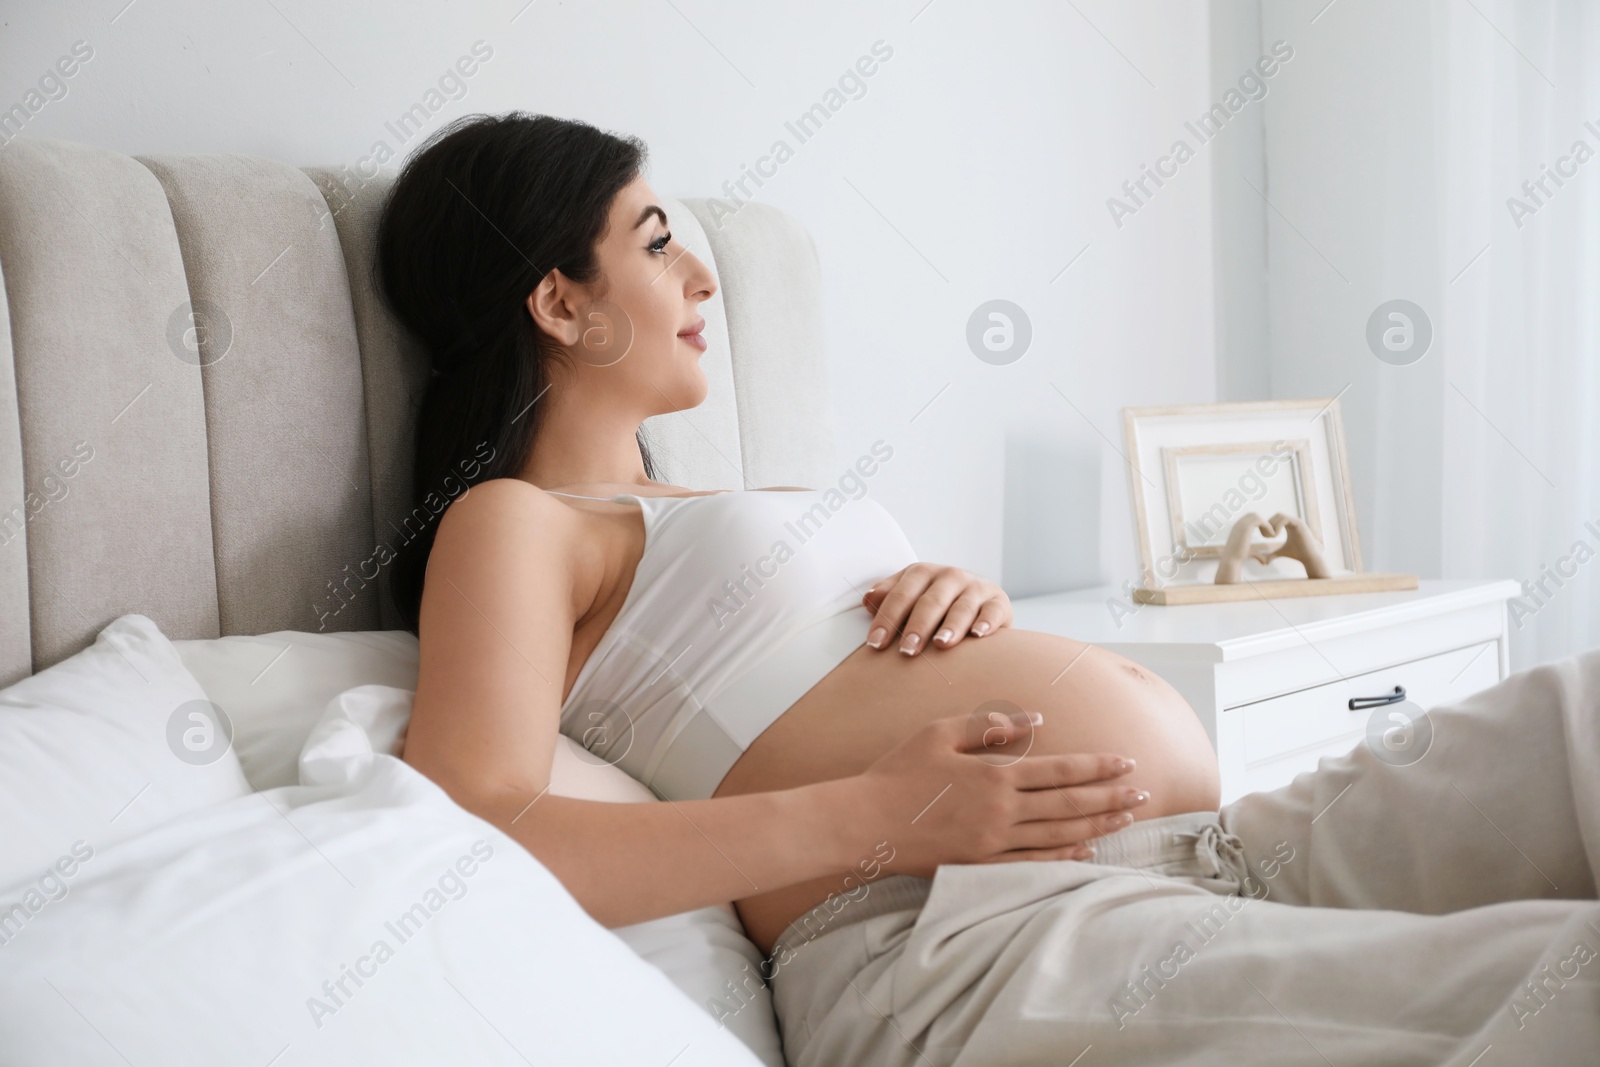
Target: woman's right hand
[(942, 796)]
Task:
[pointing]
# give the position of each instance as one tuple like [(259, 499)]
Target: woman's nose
[(701, 284)]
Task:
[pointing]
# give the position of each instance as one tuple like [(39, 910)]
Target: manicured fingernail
[(980, 629), (1083, 854), (1133, 797), (875, 638), (1035, 717), (909, 645), (1119, 820), (943, 636), (1122, 766)]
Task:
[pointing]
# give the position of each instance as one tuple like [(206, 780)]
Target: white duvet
[(364, 918)]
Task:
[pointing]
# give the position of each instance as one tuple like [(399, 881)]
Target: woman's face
[(626, 347)]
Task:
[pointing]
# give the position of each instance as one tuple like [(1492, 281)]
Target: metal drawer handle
[(1362, 703)]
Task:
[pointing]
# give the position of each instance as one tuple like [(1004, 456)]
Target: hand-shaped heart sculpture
[(1299, 543)]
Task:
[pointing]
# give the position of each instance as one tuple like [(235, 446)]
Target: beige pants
[(1374, 911)]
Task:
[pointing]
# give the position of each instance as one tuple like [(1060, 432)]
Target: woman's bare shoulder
[(509, 515), (506, 530)]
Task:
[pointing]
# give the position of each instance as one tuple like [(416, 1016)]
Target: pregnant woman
[(956, 840)]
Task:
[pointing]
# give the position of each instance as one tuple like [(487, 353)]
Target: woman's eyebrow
[(647, 212)]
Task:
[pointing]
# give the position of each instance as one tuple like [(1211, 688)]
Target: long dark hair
[(477, 216)]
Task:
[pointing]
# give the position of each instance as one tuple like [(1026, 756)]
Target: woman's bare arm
[(628, 863)]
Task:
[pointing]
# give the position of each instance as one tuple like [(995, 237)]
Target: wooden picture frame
[(1196, 469)]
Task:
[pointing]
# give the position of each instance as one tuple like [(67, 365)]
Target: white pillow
[(702, 951), (365, 920), (275, 686), (100, 747)]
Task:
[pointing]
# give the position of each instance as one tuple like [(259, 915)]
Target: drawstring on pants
[(1220, 854)]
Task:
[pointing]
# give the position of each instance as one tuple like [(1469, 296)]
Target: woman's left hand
[(928, 602)]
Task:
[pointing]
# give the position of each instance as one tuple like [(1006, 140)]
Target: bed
[(205, 420)]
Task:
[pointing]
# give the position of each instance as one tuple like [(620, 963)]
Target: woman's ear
[(553, 304)]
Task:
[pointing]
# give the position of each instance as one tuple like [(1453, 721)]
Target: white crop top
[(741, 602)]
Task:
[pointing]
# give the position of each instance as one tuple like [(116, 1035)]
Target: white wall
[(1353, 177), (976, 166), (1239, 178)]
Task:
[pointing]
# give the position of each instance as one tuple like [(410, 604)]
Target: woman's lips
[(695, 336)]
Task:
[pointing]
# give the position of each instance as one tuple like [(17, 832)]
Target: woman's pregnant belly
[(1092, 700)]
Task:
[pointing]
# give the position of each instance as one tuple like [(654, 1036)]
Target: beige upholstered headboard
[(205, 411)]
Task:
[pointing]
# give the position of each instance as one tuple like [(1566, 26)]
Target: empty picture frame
[(1196, 469)]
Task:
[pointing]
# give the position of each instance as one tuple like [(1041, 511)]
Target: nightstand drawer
[(1285, 735)]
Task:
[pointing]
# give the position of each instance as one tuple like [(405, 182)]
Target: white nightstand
[(1273, 680)]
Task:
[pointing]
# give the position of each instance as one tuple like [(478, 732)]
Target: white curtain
[(1393, 143), (1518, 100)]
